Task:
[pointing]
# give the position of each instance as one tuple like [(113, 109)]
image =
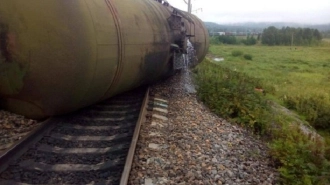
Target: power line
[(201, 9)]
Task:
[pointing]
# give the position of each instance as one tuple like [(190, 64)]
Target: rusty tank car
[(57, 56)]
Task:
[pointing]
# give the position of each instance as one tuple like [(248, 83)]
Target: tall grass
[(231, 94)]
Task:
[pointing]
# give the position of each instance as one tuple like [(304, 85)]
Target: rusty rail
[(130, 156)]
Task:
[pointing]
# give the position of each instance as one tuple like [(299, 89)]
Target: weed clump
[(247, 56), (237, 53)]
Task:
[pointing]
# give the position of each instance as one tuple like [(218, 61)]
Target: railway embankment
[(191, 145)]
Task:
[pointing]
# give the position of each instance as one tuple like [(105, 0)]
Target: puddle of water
[(218, 59)]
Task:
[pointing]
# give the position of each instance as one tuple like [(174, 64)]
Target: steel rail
[(18, 149), (130, 156)]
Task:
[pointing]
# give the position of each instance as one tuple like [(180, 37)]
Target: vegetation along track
[(87, 147)]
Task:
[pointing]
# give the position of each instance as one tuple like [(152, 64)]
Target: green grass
[(325, 42), (284, 71)]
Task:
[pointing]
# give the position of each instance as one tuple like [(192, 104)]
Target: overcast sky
[(234, 11)]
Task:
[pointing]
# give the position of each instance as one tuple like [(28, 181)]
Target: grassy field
[(297, 78), (326, 39), (284, 71)]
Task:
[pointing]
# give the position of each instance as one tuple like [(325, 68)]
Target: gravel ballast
[(194, 146), (13, 127)]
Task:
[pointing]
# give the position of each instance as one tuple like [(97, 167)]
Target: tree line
[(229, 39), (287, 35), (273, 36), (326, 34)]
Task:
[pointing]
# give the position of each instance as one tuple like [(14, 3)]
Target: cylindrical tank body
[(57, 56)]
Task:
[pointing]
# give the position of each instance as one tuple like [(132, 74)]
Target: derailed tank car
[(57, 56)]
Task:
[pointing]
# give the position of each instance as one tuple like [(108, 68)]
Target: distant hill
[(321, 27), (258, 27)]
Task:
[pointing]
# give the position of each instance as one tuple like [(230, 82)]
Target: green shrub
[(215, 40), (315, 108), (232, 95), (301, 160), (237, 53), (249, 41), (227, 39), (247, 56)]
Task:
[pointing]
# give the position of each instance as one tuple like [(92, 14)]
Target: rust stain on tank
[(11, 45), (5, 43)]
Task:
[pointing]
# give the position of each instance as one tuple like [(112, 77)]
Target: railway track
[(93, 146)]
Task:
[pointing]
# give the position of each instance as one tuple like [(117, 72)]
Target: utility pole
[(189, 6), (291, 40)]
